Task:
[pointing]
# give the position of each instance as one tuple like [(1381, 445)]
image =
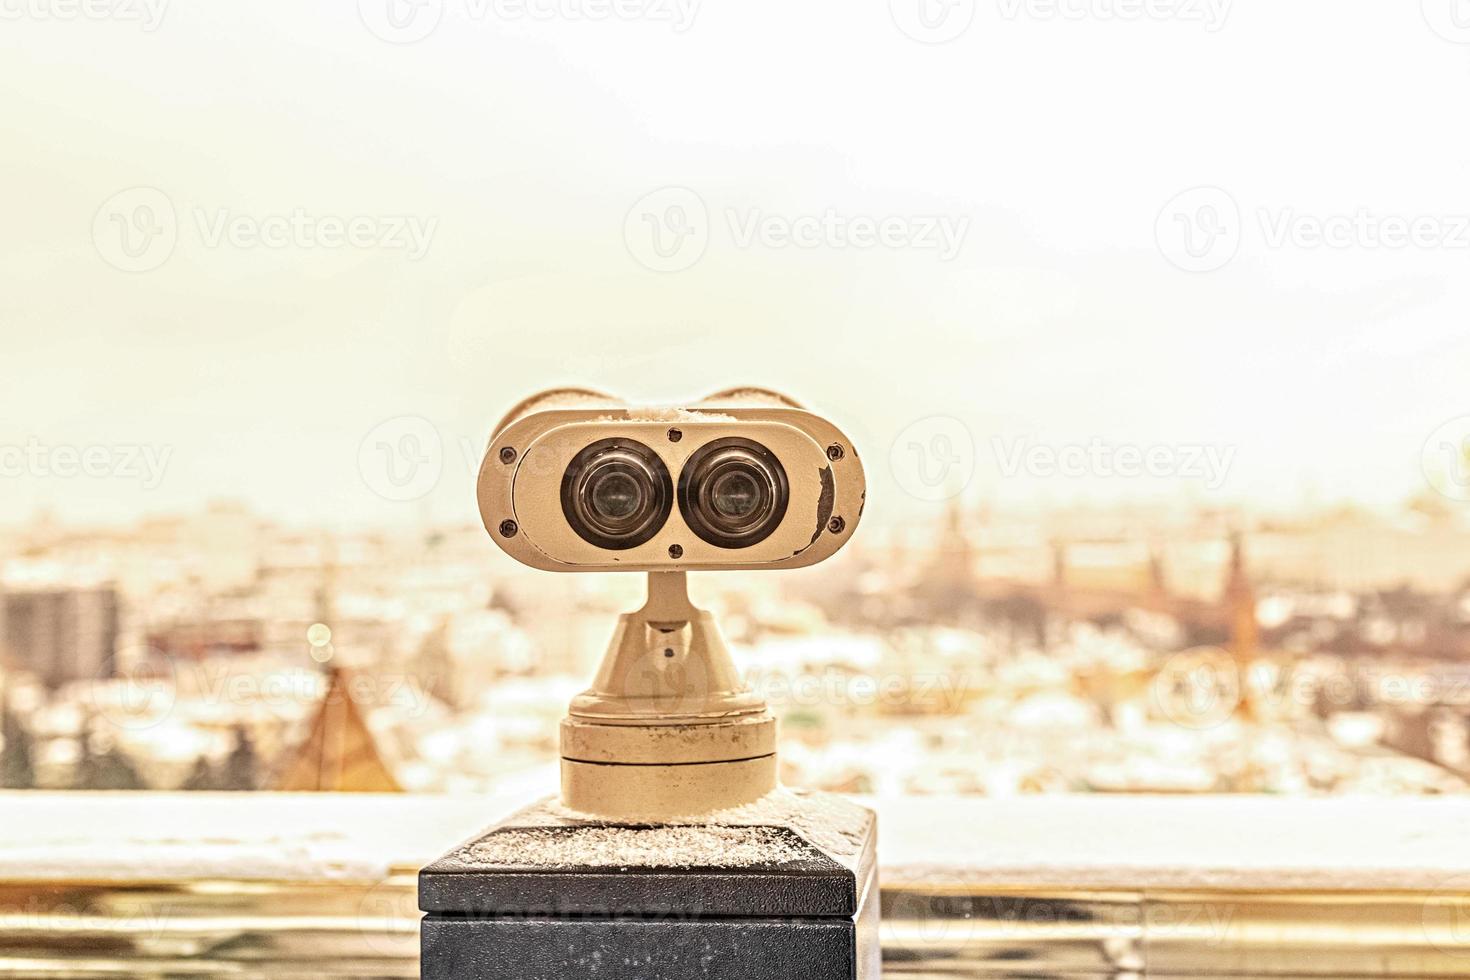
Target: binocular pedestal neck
[(668, 729)]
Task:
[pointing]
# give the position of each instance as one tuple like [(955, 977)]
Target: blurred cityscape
[(994, 653)]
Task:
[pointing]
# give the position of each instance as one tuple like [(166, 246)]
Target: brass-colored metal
[(668, 729), (353, 926), (739, 738), (960, 929), (547, 438), (667, 664), (661, 793)]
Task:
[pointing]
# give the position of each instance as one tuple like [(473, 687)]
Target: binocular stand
[(672, 854)]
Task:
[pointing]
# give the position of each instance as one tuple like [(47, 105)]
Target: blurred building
[(59, 634)]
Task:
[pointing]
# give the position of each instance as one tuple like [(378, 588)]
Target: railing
[(173, 885)]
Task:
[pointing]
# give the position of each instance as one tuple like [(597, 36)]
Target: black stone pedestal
[(785, 888)]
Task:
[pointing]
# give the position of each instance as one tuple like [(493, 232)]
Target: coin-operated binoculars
[(672, 852)]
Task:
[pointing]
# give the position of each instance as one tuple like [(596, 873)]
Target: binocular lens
[(616, 494), (733, 493), (735, 496)]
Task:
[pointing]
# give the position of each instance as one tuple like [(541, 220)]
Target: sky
[(304, 256)]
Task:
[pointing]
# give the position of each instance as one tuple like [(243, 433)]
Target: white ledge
[(1140, 843), (1134, 844)]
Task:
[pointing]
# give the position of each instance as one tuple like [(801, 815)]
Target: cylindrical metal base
[(664, 771), (652, 792)]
